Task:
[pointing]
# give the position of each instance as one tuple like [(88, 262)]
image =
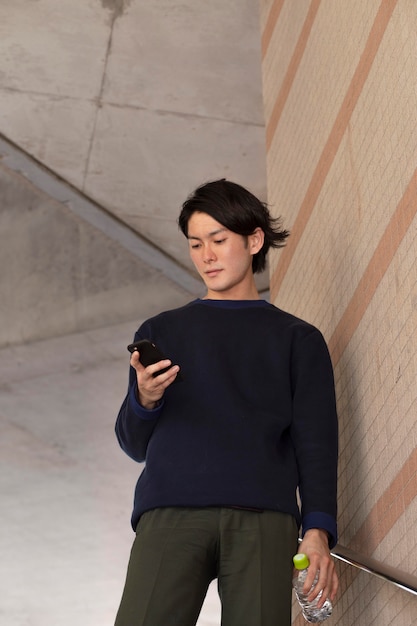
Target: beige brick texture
[(340, 102)]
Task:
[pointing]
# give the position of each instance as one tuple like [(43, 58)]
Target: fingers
[(327, 582), (315, 546), (335, 586), (134, 361), (324, 583), (151, 370), (317, 566), (151, 385), (153, 381)]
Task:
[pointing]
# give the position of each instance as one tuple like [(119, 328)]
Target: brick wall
[(340, 101)]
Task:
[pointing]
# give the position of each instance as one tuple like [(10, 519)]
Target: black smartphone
[(148, 354)]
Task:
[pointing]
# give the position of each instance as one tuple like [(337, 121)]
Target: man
[(252, 419)]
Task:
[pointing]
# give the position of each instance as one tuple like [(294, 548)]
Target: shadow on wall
[(63, 274)]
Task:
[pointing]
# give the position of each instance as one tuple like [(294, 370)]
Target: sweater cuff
[(139, 410), (324, 521)]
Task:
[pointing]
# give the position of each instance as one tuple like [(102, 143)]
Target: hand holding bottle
[(315, 546), (310, 608)]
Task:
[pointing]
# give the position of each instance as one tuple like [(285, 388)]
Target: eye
[(220, 240), (195, 246)]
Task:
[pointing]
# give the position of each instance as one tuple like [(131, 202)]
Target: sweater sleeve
[(135, 424), (324, 522), (314, 432)]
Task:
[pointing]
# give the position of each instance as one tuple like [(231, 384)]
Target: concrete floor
[(66, 487)]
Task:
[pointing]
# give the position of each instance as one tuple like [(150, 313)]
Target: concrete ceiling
[(136, 103)]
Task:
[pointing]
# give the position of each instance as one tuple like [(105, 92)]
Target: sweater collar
[(232, 304)]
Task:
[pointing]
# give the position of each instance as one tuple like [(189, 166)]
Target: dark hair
[(238, 210)]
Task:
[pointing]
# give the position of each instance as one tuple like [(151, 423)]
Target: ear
[(256, 240)]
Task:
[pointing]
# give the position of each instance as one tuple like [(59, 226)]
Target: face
[(223, 258)]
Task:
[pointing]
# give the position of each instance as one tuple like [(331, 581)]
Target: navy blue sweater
[(253, 418)]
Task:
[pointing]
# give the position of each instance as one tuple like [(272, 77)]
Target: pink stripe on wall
[(273, 17), (291, 73), (333, 142), (388, 509), (388, 245)]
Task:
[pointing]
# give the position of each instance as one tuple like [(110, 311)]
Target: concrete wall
[(133, 104), (136, 103), (60, 275), (341, 114)]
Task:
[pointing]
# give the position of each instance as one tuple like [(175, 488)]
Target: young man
[(252, 419)]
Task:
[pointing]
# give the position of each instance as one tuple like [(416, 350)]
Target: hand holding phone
[(149, 354)]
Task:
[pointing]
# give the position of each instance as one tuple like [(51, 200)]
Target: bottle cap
[(301, 561)]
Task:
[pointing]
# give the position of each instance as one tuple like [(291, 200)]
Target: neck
[(248, 292)]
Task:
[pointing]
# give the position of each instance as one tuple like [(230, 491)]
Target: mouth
[(212, 273)]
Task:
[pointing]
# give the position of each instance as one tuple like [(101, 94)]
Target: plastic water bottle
[(309, 609)]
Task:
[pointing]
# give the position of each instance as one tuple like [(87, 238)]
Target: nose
[(208, 254)]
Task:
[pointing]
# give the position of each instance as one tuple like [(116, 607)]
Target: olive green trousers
[(177, 552)]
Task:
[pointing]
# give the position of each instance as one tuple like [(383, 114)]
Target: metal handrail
[(390, 574)]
